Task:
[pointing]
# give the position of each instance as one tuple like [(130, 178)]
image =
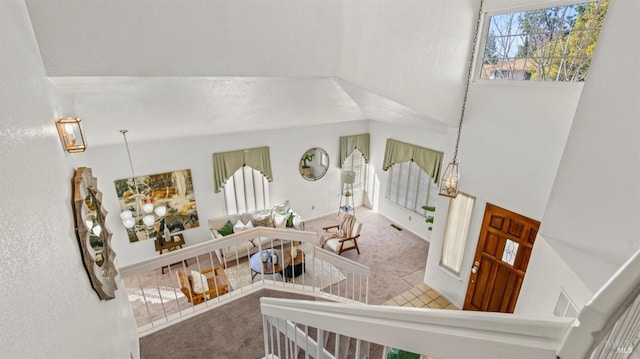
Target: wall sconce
[(71, 134)]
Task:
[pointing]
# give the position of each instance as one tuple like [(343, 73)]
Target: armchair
[(201, 286), (342, 237)]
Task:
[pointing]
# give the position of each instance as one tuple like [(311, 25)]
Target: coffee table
[(257, 266)]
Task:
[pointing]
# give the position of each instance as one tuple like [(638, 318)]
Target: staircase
[(346, 327), (607, 327)]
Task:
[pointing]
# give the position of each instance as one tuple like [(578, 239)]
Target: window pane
[(550, 44), (246, 191), (355, 163), (411, 187), (456, 232)]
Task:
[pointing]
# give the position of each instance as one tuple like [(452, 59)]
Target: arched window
[(243, 176), (246, 191)]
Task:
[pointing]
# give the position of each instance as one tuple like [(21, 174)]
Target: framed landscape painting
[(173, 190)]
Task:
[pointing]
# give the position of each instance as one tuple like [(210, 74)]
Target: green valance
[(350, 143), (428, 160), (225, 164)]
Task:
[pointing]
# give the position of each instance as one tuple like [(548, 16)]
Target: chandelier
[(144, 215), (451, 176)]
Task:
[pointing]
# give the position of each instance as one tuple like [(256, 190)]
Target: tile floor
[(421, 296)]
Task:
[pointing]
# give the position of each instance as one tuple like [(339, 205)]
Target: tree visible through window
[(550, 44)]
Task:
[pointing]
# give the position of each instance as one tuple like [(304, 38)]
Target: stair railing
[(439, 333), (157, 299), (608, 325)]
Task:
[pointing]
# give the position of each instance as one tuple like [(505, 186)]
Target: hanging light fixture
[(144, 216), (451, 177)]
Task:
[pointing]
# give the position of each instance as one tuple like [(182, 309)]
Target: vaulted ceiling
[(166, 68)]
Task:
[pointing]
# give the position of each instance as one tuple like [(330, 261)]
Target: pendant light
[(451, 177)]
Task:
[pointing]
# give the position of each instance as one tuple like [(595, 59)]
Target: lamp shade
[(348, 177), (128, 222), (147, 208), (160, 211), (126, 214), (148, 220)]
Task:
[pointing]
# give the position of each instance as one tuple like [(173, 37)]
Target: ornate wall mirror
[(93, 236), (314, 164)]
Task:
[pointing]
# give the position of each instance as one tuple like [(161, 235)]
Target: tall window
[(456, 232), (245, 191), (355, 162), (411, 187), (549, 44)]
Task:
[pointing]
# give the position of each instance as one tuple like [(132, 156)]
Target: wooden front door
[(504, 247)]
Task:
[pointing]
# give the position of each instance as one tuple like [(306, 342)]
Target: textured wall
[(48, 307), (593, 211)]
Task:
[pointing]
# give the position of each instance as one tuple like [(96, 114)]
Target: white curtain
[(456, 232)]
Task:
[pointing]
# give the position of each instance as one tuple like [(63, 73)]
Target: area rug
[(325, 275), (161, 294)]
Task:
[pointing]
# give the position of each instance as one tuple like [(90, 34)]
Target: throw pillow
[(297, 222), (199, 282), (279, 220), (227, 229), (263, 218), (249, 225), (215, 234), (239, 227), (290, 219), (281, 207)]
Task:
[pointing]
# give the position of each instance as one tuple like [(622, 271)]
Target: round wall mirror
[(314, 164)]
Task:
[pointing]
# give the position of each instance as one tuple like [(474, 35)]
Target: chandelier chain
[(469, 71), (133, 174)]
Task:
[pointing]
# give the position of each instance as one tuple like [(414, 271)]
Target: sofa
[(278, 216)]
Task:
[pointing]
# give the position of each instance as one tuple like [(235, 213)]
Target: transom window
[(411, 187), (549, 44)]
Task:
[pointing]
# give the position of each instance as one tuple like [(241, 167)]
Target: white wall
[(286, 148), (48, 307), (412, 52), (512, 140), (548, 274), (592, 216)]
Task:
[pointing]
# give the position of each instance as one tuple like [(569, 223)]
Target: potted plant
[(306, 169), (429, 217)]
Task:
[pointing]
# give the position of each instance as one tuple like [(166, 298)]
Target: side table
[(176, 242), (297, 266)]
